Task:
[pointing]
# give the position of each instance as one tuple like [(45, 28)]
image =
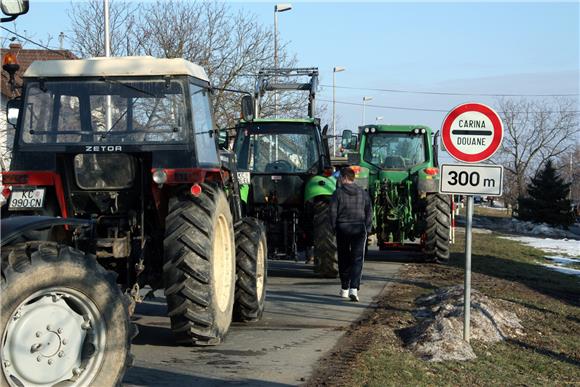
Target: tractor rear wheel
[(438, 219), (326, 259), (199, 271), (64, 320), (251, 270)]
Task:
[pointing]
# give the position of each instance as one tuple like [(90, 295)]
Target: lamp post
[(365, 99), (108, 112), (335, 70), (282, 7)]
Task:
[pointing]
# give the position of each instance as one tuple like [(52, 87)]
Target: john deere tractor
[(289, 183), (116, 183), (398, 166)]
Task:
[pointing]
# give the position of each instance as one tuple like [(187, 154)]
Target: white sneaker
[(353, 295), (343, 293)]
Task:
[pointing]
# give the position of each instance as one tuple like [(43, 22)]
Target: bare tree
[(230, 46), (534, 132)]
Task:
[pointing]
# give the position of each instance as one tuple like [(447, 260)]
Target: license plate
[(26, 199)]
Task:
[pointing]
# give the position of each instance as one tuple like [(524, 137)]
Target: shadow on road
[(141, 376)]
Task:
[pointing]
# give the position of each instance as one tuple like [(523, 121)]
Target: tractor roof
[(293, 120), (115, 66)]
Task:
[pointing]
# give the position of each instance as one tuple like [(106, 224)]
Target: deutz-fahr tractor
[(116, 183), (289, 176), (398, 165)]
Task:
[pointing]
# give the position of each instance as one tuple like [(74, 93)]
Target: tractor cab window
[(395, 150), (277, 148), (205, 139), (107, 111)]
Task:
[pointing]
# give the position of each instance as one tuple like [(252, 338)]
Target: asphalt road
[(303, 320)]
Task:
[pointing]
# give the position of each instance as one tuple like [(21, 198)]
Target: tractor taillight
[(195, 190), (355, 169), (6, 192), (328, 172), (431, 170)]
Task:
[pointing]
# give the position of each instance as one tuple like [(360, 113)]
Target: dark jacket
[(350, 204)]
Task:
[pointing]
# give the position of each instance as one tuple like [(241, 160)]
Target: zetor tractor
[(117, 182), (398, 165), (289, 182)]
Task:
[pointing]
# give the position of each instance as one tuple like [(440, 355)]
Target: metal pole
[(108, 113), (467, 283), (334, 112), (275, 59), (364, 106)]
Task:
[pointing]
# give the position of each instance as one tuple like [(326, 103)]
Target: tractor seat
[(394, 162)]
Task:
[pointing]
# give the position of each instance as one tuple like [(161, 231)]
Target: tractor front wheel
[(438, 223), (326, 259), (200, 266)]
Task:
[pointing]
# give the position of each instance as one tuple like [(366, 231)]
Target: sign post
[(471, 133)]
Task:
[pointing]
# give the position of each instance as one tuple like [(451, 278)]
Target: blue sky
[(488, 48)]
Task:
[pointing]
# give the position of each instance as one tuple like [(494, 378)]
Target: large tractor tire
[(438, 223), (325, 256), (64, 320), (251, 269), (199, 273)]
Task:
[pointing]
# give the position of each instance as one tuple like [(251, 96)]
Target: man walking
[(350, 216)]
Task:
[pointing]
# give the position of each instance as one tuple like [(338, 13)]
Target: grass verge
[(372, 352)]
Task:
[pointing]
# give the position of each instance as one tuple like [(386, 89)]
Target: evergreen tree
[(548, 199)]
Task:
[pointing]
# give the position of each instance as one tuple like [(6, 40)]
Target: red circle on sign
[(495, 141)]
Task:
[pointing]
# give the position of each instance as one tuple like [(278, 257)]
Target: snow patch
[(439, 337), (564, 270), (565, 246)]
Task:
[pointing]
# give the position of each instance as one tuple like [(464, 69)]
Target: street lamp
[(335, 70), (282, 7), (379, 118), (365, 99)]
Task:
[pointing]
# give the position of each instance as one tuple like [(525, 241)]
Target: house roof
[(25, 57), (116, 66)]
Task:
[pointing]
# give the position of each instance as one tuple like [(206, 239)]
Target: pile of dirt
[(439, 335)]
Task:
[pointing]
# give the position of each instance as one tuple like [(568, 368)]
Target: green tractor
[(286, 176), (398, 165)]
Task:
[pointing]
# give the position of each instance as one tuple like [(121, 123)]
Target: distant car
[(477, 199)]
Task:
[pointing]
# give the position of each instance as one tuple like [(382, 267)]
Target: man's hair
[(347, 173)]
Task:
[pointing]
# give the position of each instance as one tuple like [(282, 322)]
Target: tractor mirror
[(13, 111), (353, 158), (14, 7), (223, 139), (247, 108), (346, 139)]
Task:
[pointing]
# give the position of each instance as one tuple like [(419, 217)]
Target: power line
[(450, 93), (415, 108), (36, 43)]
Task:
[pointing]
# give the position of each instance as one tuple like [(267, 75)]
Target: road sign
[(472, 132), (469, 179)]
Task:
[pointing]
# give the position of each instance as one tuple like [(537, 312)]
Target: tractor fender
[(428, 185), (319, 186), (11, 228), (244, 192)]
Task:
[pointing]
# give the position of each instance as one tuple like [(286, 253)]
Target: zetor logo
[(103, 148)]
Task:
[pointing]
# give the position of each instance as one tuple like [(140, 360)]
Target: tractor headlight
[(373, 130), (416, 130), (422, 130), (159, 176), (366, 130)]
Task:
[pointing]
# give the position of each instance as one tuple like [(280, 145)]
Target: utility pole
[(108, 112), (365, 99), (334, 71)]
